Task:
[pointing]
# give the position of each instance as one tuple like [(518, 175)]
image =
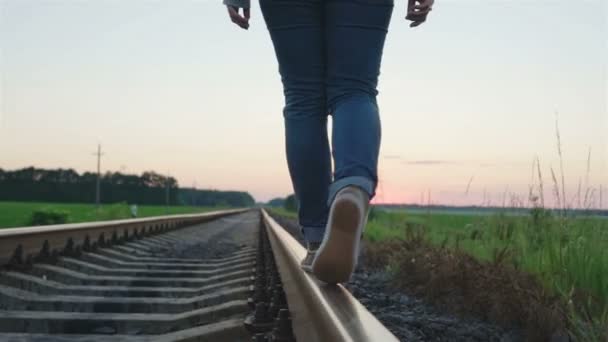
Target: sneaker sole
[(337, 256)]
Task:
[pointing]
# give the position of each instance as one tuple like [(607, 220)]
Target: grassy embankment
[(568, 255), (18, 214), (522, 269)]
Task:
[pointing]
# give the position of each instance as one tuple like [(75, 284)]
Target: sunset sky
[(467, 100)]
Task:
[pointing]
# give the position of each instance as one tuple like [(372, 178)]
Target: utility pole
[(600, 205), (167, 193), (98, 187), (193, 194)]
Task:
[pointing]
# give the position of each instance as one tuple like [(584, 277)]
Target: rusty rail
[(23, 246), (319, 312)]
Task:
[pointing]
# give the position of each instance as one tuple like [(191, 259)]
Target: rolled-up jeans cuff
[(363, 183), (313, 234)]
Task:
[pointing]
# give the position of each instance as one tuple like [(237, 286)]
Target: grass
[(285, 213), (569, 255), (18, 214)]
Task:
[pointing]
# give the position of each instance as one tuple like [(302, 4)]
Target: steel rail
[(21, 246), (319, 312)]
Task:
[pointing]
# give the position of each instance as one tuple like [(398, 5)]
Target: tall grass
[(569, 254)]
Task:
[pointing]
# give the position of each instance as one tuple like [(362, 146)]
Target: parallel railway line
[(221, 276)]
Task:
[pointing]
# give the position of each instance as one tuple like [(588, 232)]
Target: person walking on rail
[(329, 54)]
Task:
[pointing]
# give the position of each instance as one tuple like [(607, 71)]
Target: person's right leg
[(355, 35), (296, 29), (355, 31)]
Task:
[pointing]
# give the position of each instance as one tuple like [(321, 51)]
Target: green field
[(19, 214), (567, 252)]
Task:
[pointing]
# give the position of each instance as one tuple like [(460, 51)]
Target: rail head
[(20, 245), (320, 312)]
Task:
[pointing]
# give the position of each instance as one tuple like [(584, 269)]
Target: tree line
[(289, 203), (68, 186), (205, 198)]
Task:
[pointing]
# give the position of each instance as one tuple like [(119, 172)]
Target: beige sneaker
[(337, 256), (306, 263)]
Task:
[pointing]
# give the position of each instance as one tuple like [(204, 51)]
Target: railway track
[(221, 276)]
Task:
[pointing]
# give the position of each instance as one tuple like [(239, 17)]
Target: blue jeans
[(329, 54)]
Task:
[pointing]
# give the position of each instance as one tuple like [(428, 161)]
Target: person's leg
[(296, 29), (355, 35), (355, 31)]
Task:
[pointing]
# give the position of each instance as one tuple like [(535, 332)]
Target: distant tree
[(153, 179), (291, 203), (197, 197), (276, 202), (66, 185)]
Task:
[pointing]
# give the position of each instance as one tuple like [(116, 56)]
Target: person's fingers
[(237, 18), (232, 11), (416, 16), (247, 13), (417, 22), (420, 12), (421, 7), (416, 19), (234, 14), (425, 4)]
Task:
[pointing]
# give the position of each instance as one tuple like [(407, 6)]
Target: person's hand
[(417, 10), (241, 20)]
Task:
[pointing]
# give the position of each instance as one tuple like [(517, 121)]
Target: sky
[(468, 100)]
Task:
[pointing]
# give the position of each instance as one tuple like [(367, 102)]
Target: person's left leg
[(296, 29)]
